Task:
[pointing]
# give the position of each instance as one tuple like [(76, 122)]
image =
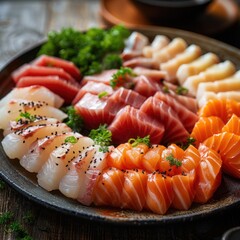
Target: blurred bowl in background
[(171, 10)]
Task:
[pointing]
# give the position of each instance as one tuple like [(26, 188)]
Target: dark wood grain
[(37, 18)]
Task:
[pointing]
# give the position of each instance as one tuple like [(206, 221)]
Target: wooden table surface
[(23, 23)]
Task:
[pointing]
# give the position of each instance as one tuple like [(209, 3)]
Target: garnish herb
[(92, 51), (101, 136), (27, 115), (165, 89), (120, 77), (6, 217), (181, 90), (135, 141), (173, 161), (190, 141), (102, 94), (74, 120), (71, 139)]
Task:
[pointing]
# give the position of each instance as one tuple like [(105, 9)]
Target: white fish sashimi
[(40, 151), (12, 111), (16, 144), (24, 122), (33, 93), (59, 161)]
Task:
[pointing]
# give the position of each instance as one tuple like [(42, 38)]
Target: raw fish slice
[(123, 97), (142, 62), (233, 125), (108, 189), (40, 150), (55, 84), (93, 88), (134, 189), (131, 123), (187, 117), (27, 70), (176, 46), (183, 190), (12, 111), (94, 111), (159, 193), (224, 109), (151, 160), (17, 144), (24, 122), (164, 114), (33, 93), (154, 75), (205, 128), (70, 184), (103, 77), (197, 66), (49, 61), (228, 147), (127, 55), (59, 161), (208, 174)]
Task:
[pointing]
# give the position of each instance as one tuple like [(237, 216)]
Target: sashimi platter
[(134, 126)]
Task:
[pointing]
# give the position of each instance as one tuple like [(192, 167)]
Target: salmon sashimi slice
[(183, 190), (164, 114), (40, 151), (14, 108), (58, 162), (55, 84), (205, 127), (50, 61), (187, 117), (228, 147), (16, 144), (93, 88), (133, 123), (233, 125), (159, 193), (223, 108), (108, 189), (134, 189), (152, 158), (208, 174), (37, 71), (33, 93)]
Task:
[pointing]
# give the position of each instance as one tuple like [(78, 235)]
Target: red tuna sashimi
[(164, 114), (103, 77), (145, 86), (155, 75), (37, 71), (54, 83), (187, 117), (131, 123), (94, 111), (94, 88), (49, 61), (123, 97)]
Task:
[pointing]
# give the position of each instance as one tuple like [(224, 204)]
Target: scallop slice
[(171, 66), (14, 108), (33, 93), (216, 72), (159, 42), (59, 161), (195, 67), (176, 46), (228, 84), (40, 151), (16, 144)]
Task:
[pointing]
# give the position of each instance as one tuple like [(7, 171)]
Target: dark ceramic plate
[(227, 196)]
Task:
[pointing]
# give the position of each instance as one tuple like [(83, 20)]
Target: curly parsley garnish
[(190, 141), (173, 161), (71, 139), (26, 115), (74, 120), (135, 141), (101, 136), (120, 77), (181, 90)]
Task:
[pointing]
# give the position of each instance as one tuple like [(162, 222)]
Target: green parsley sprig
[(173, 161), (135, 141), (26, 115), (71, 139)]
